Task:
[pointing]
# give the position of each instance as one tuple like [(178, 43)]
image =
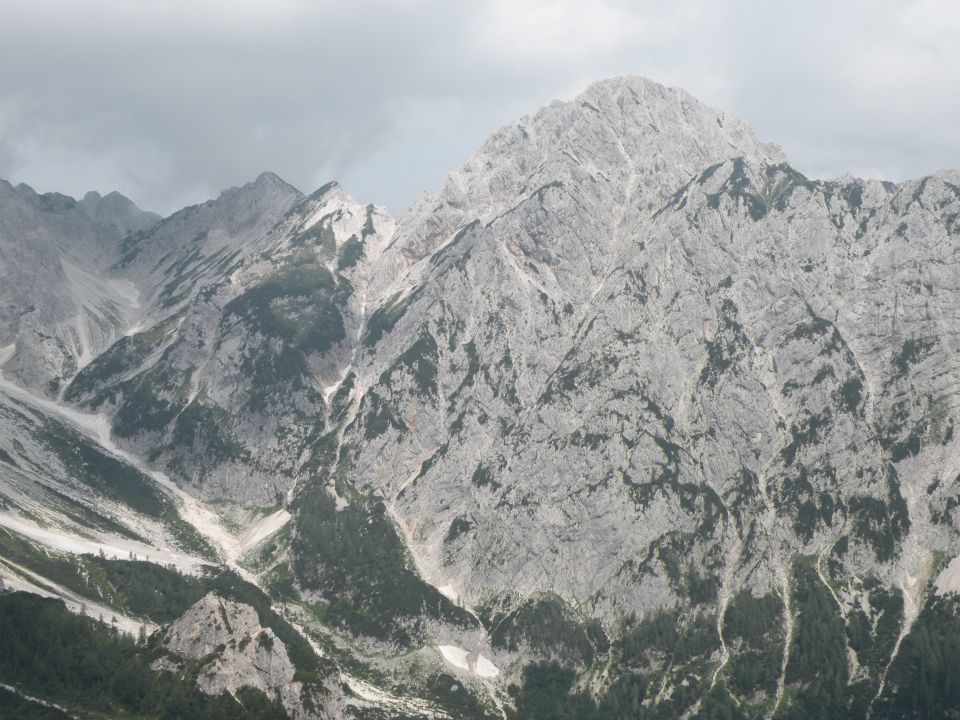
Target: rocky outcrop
[(235, 652), (257, 302), (58, 307)]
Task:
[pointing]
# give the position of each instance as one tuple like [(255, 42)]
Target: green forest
[(82, 664)]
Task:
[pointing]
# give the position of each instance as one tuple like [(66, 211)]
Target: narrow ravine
[(782, 568), (206, 522), (733, 553), (788, 623)]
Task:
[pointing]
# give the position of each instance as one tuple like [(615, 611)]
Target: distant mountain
[(56, 304), (631, 419)]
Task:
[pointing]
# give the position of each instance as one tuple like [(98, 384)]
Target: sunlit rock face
[(628, 370), (235, 652)]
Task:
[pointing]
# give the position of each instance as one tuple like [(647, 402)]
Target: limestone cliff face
[(58, 310), (641, 333), (627, 367), (236, 652), (226, 378), (640, 365)]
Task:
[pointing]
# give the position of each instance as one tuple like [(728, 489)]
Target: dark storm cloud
[(169, 102)]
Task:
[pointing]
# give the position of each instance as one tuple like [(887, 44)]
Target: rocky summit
[(630, 420)]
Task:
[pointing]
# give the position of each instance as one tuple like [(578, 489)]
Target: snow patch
[(7, 352), (472, 662)]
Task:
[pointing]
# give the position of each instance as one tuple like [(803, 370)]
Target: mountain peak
[(266, 187), (673, 113), (268, 179), (619, 126), (620, 84), (636, 139), (117, 210), (331, 187)]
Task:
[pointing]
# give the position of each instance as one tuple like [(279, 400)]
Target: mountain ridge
[(630, 408)]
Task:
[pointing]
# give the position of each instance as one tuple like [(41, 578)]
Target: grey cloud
[(169, 103)]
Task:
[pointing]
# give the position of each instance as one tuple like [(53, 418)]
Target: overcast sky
[(172, 101)]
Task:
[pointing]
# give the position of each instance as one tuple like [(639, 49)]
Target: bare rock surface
[(237, 652), (627, 367)]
